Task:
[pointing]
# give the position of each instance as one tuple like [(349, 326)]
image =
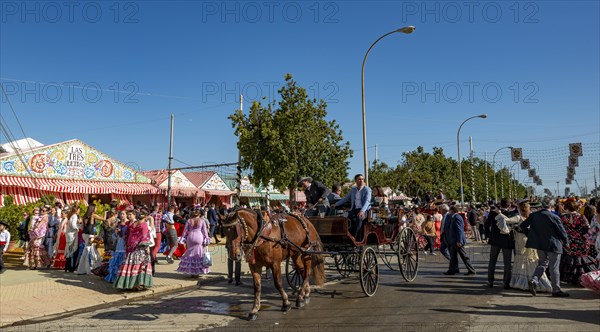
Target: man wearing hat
[(4, 241), (316, 196)]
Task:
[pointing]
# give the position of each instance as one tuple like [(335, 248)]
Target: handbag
[(207, 258)]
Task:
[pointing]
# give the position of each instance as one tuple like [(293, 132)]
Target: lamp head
[(407, 30), (483, 116)]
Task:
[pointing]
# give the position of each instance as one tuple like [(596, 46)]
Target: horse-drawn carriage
[(303, 242), (384, 239)]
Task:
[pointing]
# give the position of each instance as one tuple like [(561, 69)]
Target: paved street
[(433, 302)]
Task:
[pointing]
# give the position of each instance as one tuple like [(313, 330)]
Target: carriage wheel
[(293, 276), (369, 271), (408, 254), (345, 264)]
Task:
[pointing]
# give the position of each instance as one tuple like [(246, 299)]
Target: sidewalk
[(27, 294)]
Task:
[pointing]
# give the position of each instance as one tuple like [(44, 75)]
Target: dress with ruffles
[(196, 238), (36, 254), (136, 269), (118, 256), (579, 256), (591, 280)]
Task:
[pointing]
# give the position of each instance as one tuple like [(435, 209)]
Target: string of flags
[(516, 154), (575, 151)]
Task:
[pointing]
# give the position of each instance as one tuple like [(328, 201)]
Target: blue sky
[(532, 66)]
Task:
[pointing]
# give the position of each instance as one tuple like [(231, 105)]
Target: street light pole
[(494, 169), (462, 194), (407, 30)]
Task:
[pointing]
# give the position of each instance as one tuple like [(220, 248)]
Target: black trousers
[(238, 269), (507, 259), (1, 260), (430, 242), (72, 262), (454, 253)]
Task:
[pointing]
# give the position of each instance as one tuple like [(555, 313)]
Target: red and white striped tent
[(70, 171)]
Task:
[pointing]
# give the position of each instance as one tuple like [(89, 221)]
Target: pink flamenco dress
[(136, 270), (591, 280), (196, 238)]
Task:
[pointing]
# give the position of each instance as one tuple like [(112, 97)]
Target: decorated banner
[(570, 171), (516, 154), (525, 163), (71, 160), (568, 181), (547, 192), (567, 191), (531, 172), (215, 183), (573, 161), (575, 149)]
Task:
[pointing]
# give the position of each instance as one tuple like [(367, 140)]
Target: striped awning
[(80, 186), (21, 195)]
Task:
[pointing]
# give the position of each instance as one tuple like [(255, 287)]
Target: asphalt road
[(432, 302)]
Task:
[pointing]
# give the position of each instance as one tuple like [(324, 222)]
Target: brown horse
[(267, 243)]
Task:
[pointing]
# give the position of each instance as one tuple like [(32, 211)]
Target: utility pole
[(170, 161), (376, 152), (501, 181), (472, 169), (487, 188), (238, 179)]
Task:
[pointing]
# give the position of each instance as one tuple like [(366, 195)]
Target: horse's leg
[(306, 284), (256, 278), (301, 266), (276, 269)]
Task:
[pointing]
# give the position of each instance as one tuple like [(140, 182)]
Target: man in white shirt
[(360, 199), (4, 241)]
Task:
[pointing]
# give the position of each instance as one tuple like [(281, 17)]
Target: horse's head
[(239, 228)]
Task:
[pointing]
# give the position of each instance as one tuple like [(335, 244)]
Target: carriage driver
[(360, 199), (316, 196)]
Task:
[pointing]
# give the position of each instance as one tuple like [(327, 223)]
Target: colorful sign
[(71, 160), (215, 183)]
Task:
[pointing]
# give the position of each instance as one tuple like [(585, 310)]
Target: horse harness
[(264, 235)]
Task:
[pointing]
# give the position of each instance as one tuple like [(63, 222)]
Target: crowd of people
[(132, 236), (543, 242)]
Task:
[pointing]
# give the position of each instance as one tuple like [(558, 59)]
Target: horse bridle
[(240, 225)]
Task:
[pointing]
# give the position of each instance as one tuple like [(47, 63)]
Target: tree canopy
[(420, 171), (290, 138)]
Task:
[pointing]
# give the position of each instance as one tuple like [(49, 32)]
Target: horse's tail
[(318, 265)]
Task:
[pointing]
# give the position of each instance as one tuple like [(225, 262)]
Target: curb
[(126, 297)]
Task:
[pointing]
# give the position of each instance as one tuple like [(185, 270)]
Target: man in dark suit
[(499, 242), (545, 233), (316, 196), (213, 221), (456, 241), (444, 230)]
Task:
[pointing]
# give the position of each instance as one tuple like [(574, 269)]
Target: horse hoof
[(286, 308), (299, 304), (252, 316), (307, 300)]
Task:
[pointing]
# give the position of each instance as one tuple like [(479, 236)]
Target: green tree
[(285, 140)]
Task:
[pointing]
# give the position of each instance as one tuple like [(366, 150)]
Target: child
[(4, 241)]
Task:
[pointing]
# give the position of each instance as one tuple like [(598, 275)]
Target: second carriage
[(384, 239)]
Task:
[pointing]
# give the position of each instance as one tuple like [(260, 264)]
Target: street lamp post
[(494, 169), (407, 30), (462, 194)]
